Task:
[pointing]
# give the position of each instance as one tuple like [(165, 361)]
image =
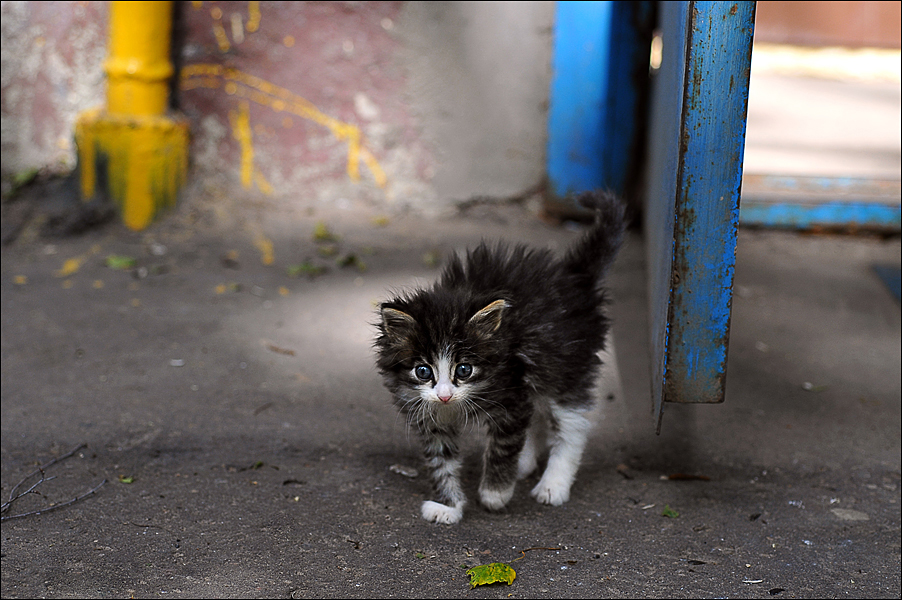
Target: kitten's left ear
[(396, 323), (488, 320)]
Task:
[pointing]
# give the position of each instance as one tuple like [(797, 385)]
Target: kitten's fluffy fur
[(508, 338)]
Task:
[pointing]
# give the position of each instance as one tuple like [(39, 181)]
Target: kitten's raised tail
[(595, 252)]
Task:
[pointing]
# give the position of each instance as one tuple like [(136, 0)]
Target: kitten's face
[(435, 364), (446, 379)]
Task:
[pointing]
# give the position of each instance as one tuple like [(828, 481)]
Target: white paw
[(495, 499), (435, 512), (554, 493)]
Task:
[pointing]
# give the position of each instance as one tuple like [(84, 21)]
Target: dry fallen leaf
[(278, 349)]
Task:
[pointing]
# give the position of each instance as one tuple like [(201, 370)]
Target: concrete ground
[(250, 450), (248, 445)]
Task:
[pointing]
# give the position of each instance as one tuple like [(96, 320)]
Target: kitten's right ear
[(487, 321), (396, 323)]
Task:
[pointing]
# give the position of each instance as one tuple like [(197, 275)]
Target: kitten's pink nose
[(445, 399)]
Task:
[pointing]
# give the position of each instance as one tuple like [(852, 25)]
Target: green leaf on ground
[(351, 260), (306, 268), (669, 512), (121, 262), (491, 573), (23, 178), (321, 233)]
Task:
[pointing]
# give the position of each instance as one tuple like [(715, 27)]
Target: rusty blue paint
[(698, 133)]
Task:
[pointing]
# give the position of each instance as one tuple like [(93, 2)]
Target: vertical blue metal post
[(579, 90), (600, 73), (698, 137)]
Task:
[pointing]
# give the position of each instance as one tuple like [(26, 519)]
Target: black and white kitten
[(508, 338)]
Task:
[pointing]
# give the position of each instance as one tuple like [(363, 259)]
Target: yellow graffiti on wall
[(249, 87), (260, 91), (241, 131), (253, 16), (236, 21)]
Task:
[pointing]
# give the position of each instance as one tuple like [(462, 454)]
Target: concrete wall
[(51, 56), (479, 75)]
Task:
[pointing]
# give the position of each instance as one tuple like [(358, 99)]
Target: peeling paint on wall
[(51, 59)]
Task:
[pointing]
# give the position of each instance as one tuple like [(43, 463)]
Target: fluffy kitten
[(508, 338)]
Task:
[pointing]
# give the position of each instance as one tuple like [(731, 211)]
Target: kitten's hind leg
[(569, 429)]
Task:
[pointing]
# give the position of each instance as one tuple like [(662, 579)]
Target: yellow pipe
[(138, 68), (133, 151)]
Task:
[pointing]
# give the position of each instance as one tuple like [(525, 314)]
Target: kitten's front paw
[(495, 499), (551, 492), (435, 512)]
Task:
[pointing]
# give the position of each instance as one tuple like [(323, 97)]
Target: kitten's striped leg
[(444, 470), (569, 429), (501, 466)]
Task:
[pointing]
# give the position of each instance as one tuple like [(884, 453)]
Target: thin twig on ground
[(523, 552), (15, 494)]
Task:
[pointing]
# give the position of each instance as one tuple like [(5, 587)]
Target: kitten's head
[(437, 352)]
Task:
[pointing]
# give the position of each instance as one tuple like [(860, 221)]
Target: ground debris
[(278, 349), (687, 477)]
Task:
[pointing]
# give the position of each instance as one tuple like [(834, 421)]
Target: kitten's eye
[(463, 371), (423, 372)]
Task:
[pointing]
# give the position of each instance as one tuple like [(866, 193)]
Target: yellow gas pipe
[(132, 150)]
